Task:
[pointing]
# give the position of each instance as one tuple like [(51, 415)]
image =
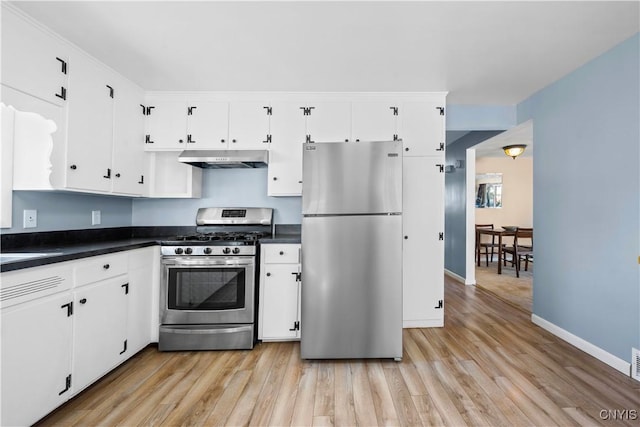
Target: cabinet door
[(129, 159), (248, 126), (329, 121), (90, 130), (141, 287), (100, 312), (167, 124), (285, 150), (423, 251), (422, 128), (36, 359), (170, 178), (280, 302), (207, 125), (374, 121), (32, 61)]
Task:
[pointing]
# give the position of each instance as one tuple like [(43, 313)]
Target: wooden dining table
[(500, 232)]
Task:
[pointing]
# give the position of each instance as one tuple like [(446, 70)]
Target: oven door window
[(206, 288)]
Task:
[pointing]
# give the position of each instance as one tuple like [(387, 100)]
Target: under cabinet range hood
[(225, 159)]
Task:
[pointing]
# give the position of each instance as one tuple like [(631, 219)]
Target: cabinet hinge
[(440, 304), (296, 326), (298, 276), (306, 111), (69, 307), (144, 110), (269, 110), (147, 139), (110, 91), (67, 385), (440, 167), (308, 139), (63, 64), (125, 347), (395, 110), (395, 137), (268, 140), (440, 236), (63, 93), (108, 175), (441, 110), (149, 108), (190, 111), (141, 179), (126, 288), (441, 147), (189, 140)]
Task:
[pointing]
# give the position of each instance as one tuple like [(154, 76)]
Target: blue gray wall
[(220, 187), (68, 211), (586, 191), (455, 202)]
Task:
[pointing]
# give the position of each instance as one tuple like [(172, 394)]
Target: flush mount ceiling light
[(514, 150)]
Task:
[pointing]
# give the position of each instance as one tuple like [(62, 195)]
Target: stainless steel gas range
[(207, 295)]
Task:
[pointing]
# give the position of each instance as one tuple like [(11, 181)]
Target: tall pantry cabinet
[(422, 129)]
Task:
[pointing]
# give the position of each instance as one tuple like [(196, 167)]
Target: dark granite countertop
[(60, 246)]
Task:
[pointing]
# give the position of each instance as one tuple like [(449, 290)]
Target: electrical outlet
[(29, 218), (95, 217)]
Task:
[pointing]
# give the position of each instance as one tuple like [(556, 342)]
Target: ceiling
[(484, 53)]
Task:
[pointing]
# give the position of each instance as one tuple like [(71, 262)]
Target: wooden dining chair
[(522, 249), (486, 245)]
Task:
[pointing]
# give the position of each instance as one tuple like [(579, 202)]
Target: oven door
[(207, 290)]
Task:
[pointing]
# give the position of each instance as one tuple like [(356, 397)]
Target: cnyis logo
[(392, 154), (310, 148), (619, 414)]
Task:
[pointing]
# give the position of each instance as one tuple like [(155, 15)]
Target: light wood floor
[(514, 290), (489, 365)]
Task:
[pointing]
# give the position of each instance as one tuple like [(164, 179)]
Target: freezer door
[(352, 178), (351, 287)]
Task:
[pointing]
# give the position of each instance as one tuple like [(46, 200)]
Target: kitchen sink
[(21, 256)]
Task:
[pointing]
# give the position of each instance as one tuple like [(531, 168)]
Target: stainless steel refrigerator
[(352, 250)]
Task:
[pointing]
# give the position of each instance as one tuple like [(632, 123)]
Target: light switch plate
[(95, 218), (29, 218)]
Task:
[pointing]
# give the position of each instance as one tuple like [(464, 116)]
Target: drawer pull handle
[(281, 253), (268, 274), (83, 301), (106, 266)]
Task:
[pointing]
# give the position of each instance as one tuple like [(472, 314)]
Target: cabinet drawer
[(281, 254), (101, 267)]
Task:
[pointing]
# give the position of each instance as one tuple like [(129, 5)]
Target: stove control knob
[(236, 250), (207, 251), (178, 251), (188, 251), (226, 251)]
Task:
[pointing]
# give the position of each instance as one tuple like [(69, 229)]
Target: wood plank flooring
[(488, 366)]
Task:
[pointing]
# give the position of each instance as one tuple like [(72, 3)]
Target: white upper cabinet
[(328, 121), (90, 132), (130, 165), (33, 61), (422, 127), (288, 133), (207, 124), (374, 121), (166, 124), (249, 125)]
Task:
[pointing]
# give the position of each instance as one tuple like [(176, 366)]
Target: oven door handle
[(206, 262)]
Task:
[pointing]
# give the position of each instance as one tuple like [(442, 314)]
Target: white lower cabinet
[(65, 325), (99, 335), (36, 359), (279, 303), (423, 244)]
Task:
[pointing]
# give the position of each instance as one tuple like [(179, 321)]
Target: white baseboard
[(431, 323), (458, 278), (593, 350)]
